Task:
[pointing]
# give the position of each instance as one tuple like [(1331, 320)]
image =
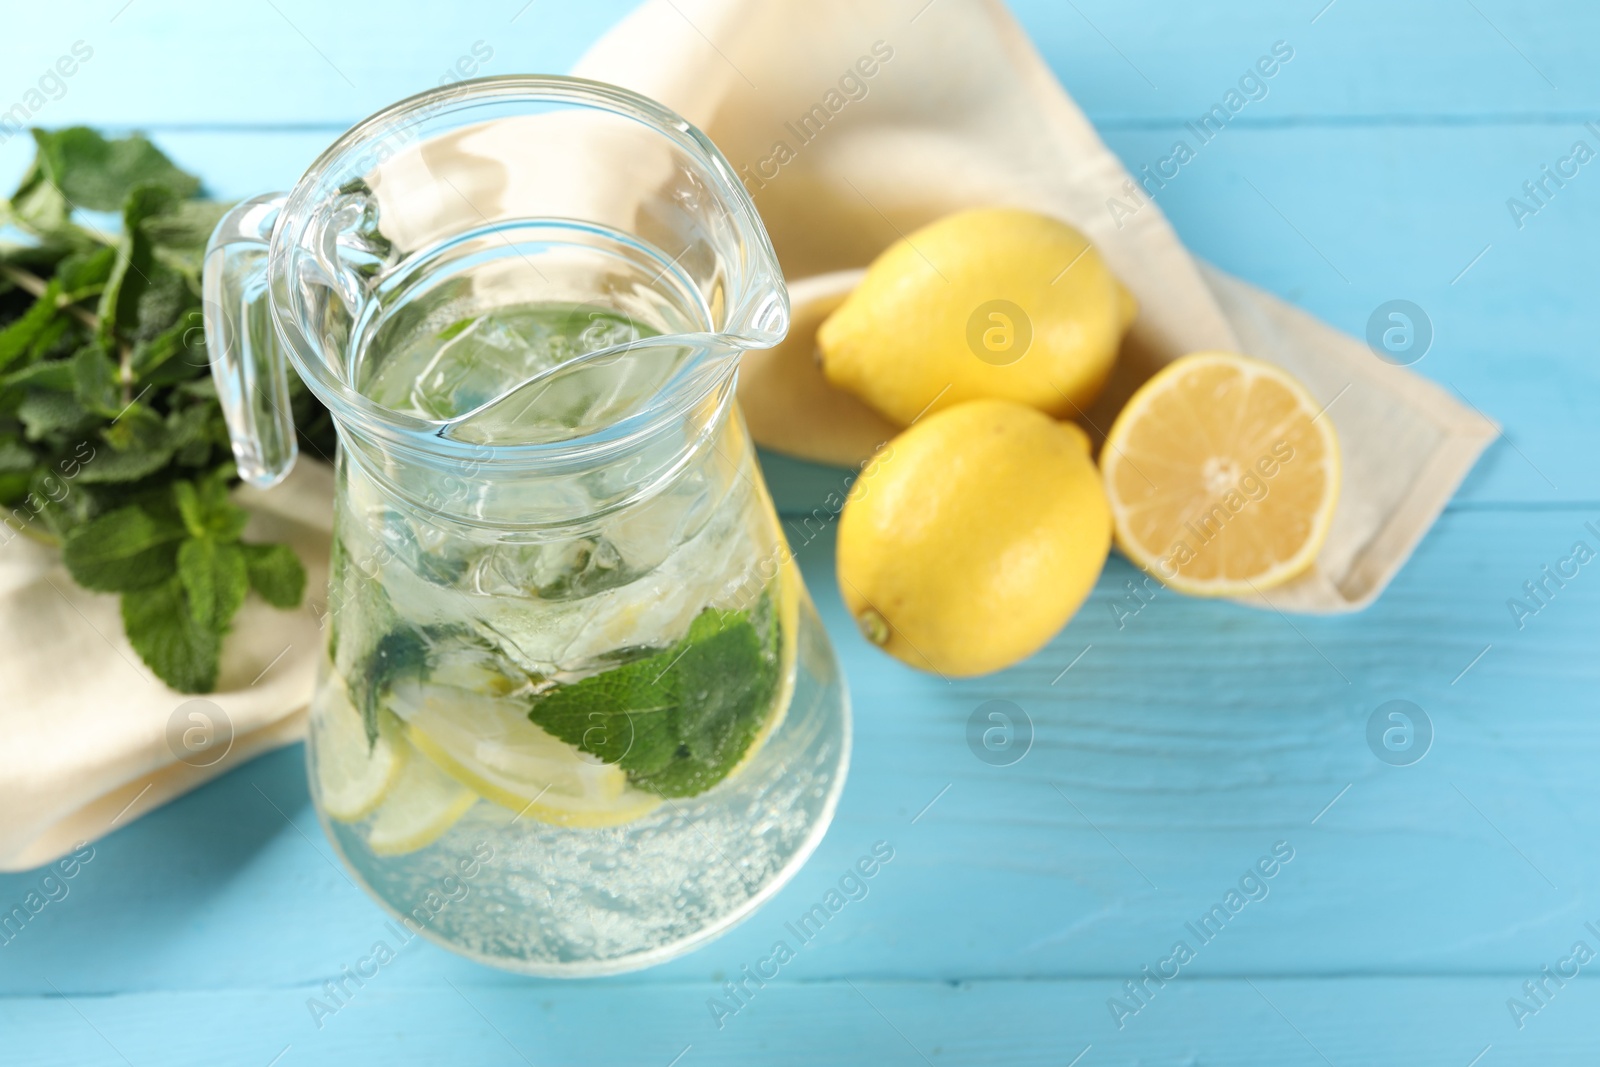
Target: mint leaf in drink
[(725, 682), (720, 677), (122, 552), (398, 655), (275, 574), (623, 715), (162, 629), (680, 719)]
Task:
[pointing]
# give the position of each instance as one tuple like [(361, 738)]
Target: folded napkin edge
[(116, 808)]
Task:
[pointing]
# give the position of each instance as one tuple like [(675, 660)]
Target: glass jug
[(576, 713)]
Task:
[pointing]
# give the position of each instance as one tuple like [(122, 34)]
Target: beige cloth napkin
[(90, 739), (855, 123), (957, 110)]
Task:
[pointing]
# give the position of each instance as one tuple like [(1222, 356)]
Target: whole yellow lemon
[(991, 303), (971, 538)]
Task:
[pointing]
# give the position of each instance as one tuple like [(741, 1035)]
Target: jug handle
[(247, 358)]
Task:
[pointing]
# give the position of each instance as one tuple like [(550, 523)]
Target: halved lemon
[(1223, 474), (420, 806), (489, 745), (354, 776)]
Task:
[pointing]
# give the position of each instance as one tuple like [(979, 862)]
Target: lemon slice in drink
[(353, 776), (420, 806), (489, 745), (1223, 474)]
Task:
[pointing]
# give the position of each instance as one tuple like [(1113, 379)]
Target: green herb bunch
[(112, 443)]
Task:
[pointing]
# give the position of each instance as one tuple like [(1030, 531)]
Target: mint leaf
[(164, 296), (54, 339), (224, 518), (725, 688), (97, 173), (197, 570), (136, 425), (184, 340), (215, 580), (275, 574), (110, 466), (144, 201), (719, 677), (56, 375), (163, 631), (623, 715), (43, 413), (18, 337), (61, 517), (126, 550), (39, 207), (96, 379), (14, 458), (134, 267), (398, 654), (189, 433), (181, 235), (84, 274), (188, 501), (228, 521), (679, 719), (13, 487)]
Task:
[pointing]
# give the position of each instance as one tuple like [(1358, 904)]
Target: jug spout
[(515, 263), (247, 359)]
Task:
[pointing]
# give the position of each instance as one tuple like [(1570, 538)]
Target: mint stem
[(32, 283)]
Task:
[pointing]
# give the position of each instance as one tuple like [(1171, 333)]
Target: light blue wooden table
[(1182, 745)]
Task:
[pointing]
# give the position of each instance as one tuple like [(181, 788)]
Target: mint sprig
[(183, 574), (111, 440)]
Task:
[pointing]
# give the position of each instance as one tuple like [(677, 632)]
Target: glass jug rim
[(757, 316)]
